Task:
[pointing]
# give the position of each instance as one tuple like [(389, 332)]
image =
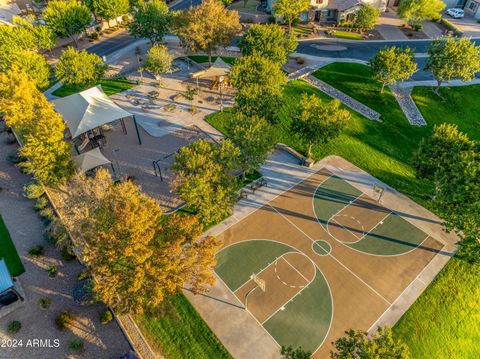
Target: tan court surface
[(331, 257)]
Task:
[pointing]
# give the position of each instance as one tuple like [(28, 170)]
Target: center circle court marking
[(345, 229), (321, 247)]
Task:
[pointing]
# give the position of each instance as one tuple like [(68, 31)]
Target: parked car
[(8, 298), (456, 13)]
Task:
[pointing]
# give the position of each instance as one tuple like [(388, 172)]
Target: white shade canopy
[(87, 110), (218, 68), (91, 159)]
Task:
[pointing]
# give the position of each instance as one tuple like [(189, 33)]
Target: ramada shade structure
[(218, 68), (6, 282), (91, 159), (87, 110)]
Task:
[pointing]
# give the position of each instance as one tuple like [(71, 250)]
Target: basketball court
[(321, 258)]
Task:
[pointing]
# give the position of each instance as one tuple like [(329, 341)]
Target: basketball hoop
[(378, 189), (260, 282)]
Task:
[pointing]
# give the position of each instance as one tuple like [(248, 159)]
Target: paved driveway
[(26, 229), (469, 25)]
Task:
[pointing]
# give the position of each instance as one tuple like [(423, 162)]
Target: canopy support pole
[(136, 129)]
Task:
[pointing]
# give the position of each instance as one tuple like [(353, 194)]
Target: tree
[(356, 344), (159, 60), (110, 9), (317, 121), (31, 63), (254, 137), (44, 36), (269, 41), (136, 258), (151, 21), (79, 67), (393, 64), (291, 353), (414, 12), (367, 17), (259, 83), (289, 10), (204, 180), (436, 151), (40, 128), (452, 160), (67, 18), (207, 27), (453, 59)]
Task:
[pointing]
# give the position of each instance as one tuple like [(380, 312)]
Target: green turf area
[(202, 59), (331, 196), (236, 263), (348, 35), (8, 252), (321, 247), (109, 86), (182, 334), (305, 321), (445, 321), (392, 237)]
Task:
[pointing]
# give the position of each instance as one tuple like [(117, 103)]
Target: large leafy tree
[(207, 27), (453, 59), (67, 18), (110, 9), (289, 10), (270, 41), (393, 64), (357, 344), (135, 256), (33, 64), (151, 20), (40, 128), (259, 83), (44, 37), (436, 151), (159, 60), (414, 12), (452, 160), (367, 17), (254, 137), (204, 180), (317, 121), (79, 67)]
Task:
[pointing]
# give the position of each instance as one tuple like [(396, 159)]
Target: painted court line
[(295, 269), (348, 269), (379, 223), (345, 228)]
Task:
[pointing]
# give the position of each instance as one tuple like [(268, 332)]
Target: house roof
[(218, 68), (87, 110), (91, 159), (342, 5), (5, 279)]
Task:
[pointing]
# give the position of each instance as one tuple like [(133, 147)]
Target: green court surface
[(393, 236), (9, 252), (306, 318), (236, 263), (331, 196), (305, 321), (321, 247)]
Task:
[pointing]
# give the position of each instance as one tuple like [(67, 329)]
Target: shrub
[(125, 18), (106, 317), (418, 27), (33, 190), (84, 274), (44, 303), (36, 251), (52, 271), (14, 327), (76, 345), (40, 203), (67, 253), (450, 26), (56, 233), (64, 320), (300, 60), (94, 35), (47, 214)]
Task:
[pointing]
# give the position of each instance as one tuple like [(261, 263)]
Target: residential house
[(329, 11), (471, 7)]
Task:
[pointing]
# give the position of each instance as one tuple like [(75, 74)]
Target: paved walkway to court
[(241, 334)]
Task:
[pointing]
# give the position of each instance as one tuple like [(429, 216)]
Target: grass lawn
[(201, 59), (8, 252), (445, 321), (348, 35), (109, 86), (182, 334)]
